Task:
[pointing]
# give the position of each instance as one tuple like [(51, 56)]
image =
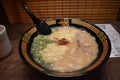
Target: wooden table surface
[(13, 68)]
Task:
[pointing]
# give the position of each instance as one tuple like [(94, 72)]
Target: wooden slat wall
[(90, 10)]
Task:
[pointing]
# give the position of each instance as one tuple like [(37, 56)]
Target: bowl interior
[(101, 38)]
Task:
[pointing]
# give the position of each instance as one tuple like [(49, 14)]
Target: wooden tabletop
[(13, 68)]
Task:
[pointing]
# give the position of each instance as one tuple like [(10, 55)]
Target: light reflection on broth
[(67, 49)]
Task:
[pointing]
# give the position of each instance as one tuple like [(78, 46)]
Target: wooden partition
[(90, 10)]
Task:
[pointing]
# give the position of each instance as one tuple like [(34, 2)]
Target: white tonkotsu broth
[(72, 50)]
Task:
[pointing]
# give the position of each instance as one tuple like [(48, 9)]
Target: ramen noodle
[(67, 49)]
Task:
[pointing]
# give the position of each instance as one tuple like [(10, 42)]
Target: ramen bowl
[(104, 46)]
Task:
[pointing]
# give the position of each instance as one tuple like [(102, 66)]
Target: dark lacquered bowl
[(101, 38)]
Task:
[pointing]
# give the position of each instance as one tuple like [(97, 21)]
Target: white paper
[(114, 37)]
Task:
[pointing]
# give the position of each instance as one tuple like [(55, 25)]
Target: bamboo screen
[(90, 10)]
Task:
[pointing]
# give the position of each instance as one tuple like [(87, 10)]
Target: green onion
[(39, 43)]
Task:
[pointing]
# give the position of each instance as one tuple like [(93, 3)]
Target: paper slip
[(114, 37)]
